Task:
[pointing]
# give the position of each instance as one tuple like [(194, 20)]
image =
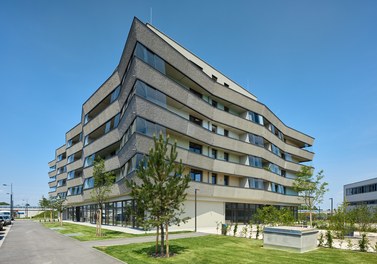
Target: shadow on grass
[(150, 250)]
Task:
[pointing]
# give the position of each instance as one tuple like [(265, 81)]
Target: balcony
[(241, 194)]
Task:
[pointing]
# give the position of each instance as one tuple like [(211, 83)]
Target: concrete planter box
[(294, 239)]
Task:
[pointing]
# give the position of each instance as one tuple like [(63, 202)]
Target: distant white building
[(362, 192)]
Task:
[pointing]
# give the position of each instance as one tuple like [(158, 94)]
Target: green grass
[(225, 249), (88, 233)]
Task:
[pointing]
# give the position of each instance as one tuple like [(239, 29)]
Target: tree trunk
[(162, 240), (157, 234), (100, 222), (61, 218), (50, 215), (167, 241), (310, 217)]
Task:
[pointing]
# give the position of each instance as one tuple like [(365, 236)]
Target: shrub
[(235, 229), (329, 239), (349, 244), (244, 231), (363, 243), (251, 230), (320, 240), (258, 230)]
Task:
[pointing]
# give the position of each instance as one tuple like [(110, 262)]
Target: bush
[(363, 243), (258, 230), (349, 244), (235, 229), (329, 239), (320, 240)]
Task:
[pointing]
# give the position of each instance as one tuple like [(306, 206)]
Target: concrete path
[(30, 243)]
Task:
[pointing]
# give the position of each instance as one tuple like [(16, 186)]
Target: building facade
[(360, 193), (239, 154)]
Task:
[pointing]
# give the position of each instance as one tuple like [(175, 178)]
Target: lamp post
[(196, 224), (11, 199), (332, 201)]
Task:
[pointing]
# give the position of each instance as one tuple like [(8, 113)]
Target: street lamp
[(332, 201), (196, 224), (11, 199)]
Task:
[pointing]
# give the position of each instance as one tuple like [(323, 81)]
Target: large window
[(196, 120), (150, 58), (256, 140), (214, 178), (255, 161), (196, 175), (256, 183), (89, 183), (195, 148), (254, 117), (226, 180), (89, 160)]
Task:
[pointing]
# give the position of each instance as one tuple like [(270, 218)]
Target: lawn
[(88, 233), (225, 249)]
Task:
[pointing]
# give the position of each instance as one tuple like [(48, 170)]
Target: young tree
[(57, 203), (310, 188), (160, 189), (44, 203), (102, 187)]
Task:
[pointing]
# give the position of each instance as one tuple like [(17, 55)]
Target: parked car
[(1, 225), (6, 219)]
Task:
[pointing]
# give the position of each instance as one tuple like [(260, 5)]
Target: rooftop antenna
[(151, 16)]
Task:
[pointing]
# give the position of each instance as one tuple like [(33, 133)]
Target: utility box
[(289, 238)]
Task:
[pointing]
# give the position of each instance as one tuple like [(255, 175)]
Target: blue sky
[(313, 63)]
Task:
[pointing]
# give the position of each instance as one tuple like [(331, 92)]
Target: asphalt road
[(31, 243)]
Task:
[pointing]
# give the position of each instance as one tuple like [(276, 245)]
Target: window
[(150, 58), (226, 109), (214, 153), (254, 117), (115, 94), (255, 161), (214, 178), (214, 129), (196, 93), (226, 156), (226, 180), (274, 168), (89, 160), (196, 175), (61, 183), (70, 159), (71, 175), (226, 85), (86, 118), (61, 170), (214, 103), (226, 133), (69, 143), (214, 78), (89, 183), (52, 168), (256, 140), (107, 127), (195, 148), (196, 120), (275, 150), (287, 156), (256, 183)]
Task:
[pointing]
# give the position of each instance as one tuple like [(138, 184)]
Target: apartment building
[(360, 193), (239, 154)]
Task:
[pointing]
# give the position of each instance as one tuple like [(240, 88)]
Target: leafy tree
[(4, 203), (362, 215), (103, 182), (310, 188), (44, 203), (58, 204), (271, 215), (160, 189)]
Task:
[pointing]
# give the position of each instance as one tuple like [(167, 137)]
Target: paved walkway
[(31, 243)]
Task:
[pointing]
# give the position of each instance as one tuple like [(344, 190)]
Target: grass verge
[(225, 249), (88, 233)]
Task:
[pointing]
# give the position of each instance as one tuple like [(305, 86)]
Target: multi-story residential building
[(362, 192), (239, 154)]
